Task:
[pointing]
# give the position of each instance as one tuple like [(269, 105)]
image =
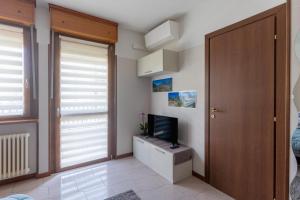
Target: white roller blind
[(84, 85), (83, 139), (83, 78), (11, 71)]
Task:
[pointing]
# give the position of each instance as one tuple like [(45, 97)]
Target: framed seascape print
[(185, 99), (162, 85)]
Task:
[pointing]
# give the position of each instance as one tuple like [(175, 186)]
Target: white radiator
[(13, 155)]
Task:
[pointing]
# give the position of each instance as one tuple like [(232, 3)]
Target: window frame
[(30, 105), (54, 102)]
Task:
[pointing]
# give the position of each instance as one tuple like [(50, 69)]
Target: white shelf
[(160, 62), (172, 164)]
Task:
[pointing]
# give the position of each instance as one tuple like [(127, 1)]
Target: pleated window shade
[(84, 101), (11, 71)]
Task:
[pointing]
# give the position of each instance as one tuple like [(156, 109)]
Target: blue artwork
[(162, 85), (182, 99)]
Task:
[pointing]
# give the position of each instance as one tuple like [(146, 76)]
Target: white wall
[(126, 40), (191, 121), (212, 15), (133, 97), (133, 93), (43, 37), (204, 18)]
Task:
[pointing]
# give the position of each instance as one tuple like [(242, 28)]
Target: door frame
[(54, 101), (282, 97)]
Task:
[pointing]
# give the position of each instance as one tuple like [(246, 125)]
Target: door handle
[(213, 110)]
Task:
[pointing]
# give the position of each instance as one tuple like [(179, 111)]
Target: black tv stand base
[(174, 146)]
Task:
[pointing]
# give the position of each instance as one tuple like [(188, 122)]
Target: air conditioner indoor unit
[(162, 35)]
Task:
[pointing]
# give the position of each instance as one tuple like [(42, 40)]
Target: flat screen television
[(163, 127)]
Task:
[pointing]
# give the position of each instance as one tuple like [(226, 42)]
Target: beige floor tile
[(6, 190), (167, 192), (123, 187), (213, 195), (107, 179), (100, 192), (73, 196), (39, 193), (28, 185), (150, 183), (192, 186)]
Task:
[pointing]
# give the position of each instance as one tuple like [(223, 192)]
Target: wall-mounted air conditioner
[(162, 34)]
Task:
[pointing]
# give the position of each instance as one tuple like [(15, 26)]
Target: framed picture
[(162, 85), (185, 99)]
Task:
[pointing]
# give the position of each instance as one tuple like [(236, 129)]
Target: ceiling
[(137, 15)]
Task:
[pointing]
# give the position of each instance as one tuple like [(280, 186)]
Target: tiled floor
[(107, 179)]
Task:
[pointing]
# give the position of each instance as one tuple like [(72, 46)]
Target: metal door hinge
[(58, 112), (275, 37), (275, 119), (26, 83)]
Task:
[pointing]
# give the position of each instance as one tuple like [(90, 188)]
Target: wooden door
[(242, 103)]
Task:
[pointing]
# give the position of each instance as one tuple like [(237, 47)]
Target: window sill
[(18, 121)]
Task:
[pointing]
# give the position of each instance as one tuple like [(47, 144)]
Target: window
[(82, 89), (13, 83), (83, 101)]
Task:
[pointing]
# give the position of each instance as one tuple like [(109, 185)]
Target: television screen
[(165, 128)]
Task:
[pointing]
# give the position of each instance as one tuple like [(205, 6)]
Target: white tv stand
[(172, 164)]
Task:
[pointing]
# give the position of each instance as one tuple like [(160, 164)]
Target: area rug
[(129, 195), (295, 188)]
